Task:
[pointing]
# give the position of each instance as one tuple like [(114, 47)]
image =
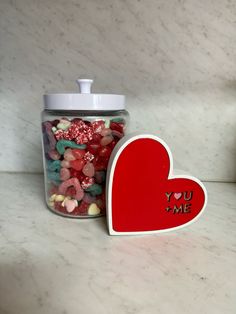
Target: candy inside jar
[(80, 132)]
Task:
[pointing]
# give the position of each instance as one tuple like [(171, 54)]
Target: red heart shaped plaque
[(143, 196)]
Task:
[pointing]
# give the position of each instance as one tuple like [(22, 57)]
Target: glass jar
[(79, 132)]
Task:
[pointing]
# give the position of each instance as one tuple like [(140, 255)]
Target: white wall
[(175, 60)]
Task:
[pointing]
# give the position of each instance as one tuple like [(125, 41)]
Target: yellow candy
[(59, 198), (52, 198), (51, 204), (93, 209)]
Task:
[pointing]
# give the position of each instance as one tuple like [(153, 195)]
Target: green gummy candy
[(94, 189), (54, 165), (62, 144), (118, 120), (54, 176)]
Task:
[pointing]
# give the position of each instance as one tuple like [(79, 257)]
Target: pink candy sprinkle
[(79, 123), (87, 182), (88, 157), (98, 126), (81, 139), (59, 134), (78, 131)]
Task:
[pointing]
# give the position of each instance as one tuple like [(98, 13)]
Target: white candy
[(93, 209), (65, 199), (76, 203), (70, 205)]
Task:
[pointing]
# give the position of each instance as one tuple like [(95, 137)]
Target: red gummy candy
[(77, 164), (100, 163), (104, 151), (60, 208), (78, 153), (96, 138), (117, 126), (113, 144), (70, 191), (93, 148), (74, 173), (117, 134), (81, 209), (81, 176), (77, 174)]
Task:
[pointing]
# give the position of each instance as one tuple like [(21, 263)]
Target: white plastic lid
[(84, 100)]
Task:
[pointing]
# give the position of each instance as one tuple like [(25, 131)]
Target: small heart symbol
[(141, 195), (177, 195)]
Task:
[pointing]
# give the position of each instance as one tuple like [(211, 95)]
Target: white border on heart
[(125, 141)]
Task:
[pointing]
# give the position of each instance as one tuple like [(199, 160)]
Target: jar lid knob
[(85, 85)]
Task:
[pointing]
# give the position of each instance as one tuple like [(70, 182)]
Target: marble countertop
[(49, 264)]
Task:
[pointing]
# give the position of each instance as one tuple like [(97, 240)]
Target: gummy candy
[(88, 169), (87, 182), (65, 163), (93, 209), (117, 127), (100, 176), (88, 156), (77, 154), (53, 165), (88, 198), (64, 174), (53, 154), (54, 176), (94, 189), (106, 140), (104, 151), (82, 208), (77, 164), (49, 136), (76, 184), (116, 133), (68, 155), (70, 205), (106, 131), (61, 144)]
